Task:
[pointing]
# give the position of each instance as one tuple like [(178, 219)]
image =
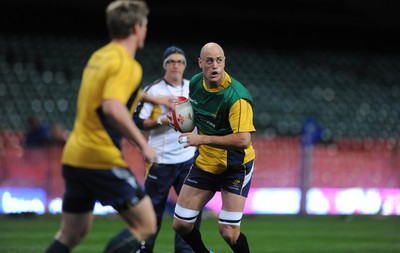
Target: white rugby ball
[(182, 115)]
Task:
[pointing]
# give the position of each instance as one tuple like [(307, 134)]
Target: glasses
[(218, 60), (179, 62)]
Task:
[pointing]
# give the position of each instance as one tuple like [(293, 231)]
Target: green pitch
[(266, 234)]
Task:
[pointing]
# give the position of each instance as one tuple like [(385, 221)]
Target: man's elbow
[(244, 140), (112, 110), (245, 144)]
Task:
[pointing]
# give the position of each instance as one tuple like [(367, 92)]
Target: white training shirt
[(164, 139)]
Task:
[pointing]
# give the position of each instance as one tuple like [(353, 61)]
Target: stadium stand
[(349, 93)]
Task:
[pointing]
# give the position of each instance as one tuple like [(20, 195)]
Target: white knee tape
[(185, 214), (230, 218)]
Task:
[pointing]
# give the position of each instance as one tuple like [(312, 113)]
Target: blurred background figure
[(37, 133), (58, 134)]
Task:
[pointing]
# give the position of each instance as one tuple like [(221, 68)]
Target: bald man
[(224, 159)]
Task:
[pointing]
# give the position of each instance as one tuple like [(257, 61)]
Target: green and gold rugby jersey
[(225, 110)]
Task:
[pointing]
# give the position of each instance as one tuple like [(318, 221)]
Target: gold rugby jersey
[(111, 73)]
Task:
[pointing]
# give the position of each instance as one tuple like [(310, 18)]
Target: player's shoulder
[(113, 51), (113, 58), (197, 76), (154, 85), (186, 81)]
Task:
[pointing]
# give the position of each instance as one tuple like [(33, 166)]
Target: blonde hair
[(122, 15)]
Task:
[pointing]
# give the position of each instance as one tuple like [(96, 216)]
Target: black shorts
[(117, 187), (236, 179)]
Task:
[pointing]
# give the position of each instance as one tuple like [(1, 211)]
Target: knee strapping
[(230, 218), (185, 214)]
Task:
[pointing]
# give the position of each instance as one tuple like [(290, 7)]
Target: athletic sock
[(195, 241), (241, 245), (57, 247), (122, 242)]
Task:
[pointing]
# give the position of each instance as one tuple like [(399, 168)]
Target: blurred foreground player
[(92, 164)]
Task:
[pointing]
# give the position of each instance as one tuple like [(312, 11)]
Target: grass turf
[(266, 234)]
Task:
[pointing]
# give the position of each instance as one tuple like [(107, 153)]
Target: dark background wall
[(333, 23), (283, 49)]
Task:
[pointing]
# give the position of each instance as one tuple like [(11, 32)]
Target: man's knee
[(144, 229), (141, 219), (229, 225), (184, 219), (70, 239), (72, 234)]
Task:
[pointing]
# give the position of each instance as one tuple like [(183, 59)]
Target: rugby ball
[(182, 115)]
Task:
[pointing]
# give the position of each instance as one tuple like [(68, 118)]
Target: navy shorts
[(117, 187), (236, 179), (161, 177)]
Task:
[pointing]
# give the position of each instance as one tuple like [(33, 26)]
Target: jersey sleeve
[(241, 117), (147, 107)]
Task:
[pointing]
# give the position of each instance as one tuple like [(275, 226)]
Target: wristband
[(182, 139)]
